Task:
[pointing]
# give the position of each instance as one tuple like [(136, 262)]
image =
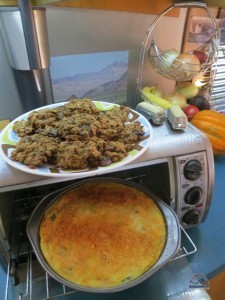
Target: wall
[(141, 6), (88, 31), (75, 30)]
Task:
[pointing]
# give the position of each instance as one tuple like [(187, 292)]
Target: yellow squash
[(212, 123)]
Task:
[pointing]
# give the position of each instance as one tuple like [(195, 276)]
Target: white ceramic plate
[(9, 139)]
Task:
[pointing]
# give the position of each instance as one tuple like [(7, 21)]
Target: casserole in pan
[(103, 235)]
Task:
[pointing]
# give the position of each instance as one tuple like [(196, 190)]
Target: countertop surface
[(209, 237)]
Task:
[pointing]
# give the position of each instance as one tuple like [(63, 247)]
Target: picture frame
[(199, 28)]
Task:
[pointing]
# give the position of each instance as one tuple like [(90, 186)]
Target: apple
[(190, 111), (176, 99), (202, 56), (186, 89)]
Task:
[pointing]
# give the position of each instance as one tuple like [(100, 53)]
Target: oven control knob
[(193, 196), (192, 170), (191, 217)]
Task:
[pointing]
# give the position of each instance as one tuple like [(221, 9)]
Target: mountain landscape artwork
[(103, 80)]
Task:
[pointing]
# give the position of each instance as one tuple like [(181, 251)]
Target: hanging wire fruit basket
[(172, 65), (177, 68)]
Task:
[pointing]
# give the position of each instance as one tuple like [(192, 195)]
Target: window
[(218, 92)]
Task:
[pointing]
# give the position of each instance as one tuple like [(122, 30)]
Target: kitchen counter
[(209, 237)]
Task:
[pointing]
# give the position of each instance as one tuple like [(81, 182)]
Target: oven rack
[(42, 286)]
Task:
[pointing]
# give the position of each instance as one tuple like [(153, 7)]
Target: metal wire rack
[(37, 284), (25, 278), (179, 70), (41, 287), (174, 68)]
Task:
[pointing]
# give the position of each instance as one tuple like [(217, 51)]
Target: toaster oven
[(178, 167)]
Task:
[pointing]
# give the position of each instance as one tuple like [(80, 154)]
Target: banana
[(147, 95)]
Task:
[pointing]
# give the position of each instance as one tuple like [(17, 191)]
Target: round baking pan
[(172, 244)]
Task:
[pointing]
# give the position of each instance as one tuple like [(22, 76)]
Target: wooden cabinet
[(141, 6)]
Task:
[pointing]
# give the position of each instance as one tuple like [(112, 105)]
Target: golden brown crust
[(102, 234)]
